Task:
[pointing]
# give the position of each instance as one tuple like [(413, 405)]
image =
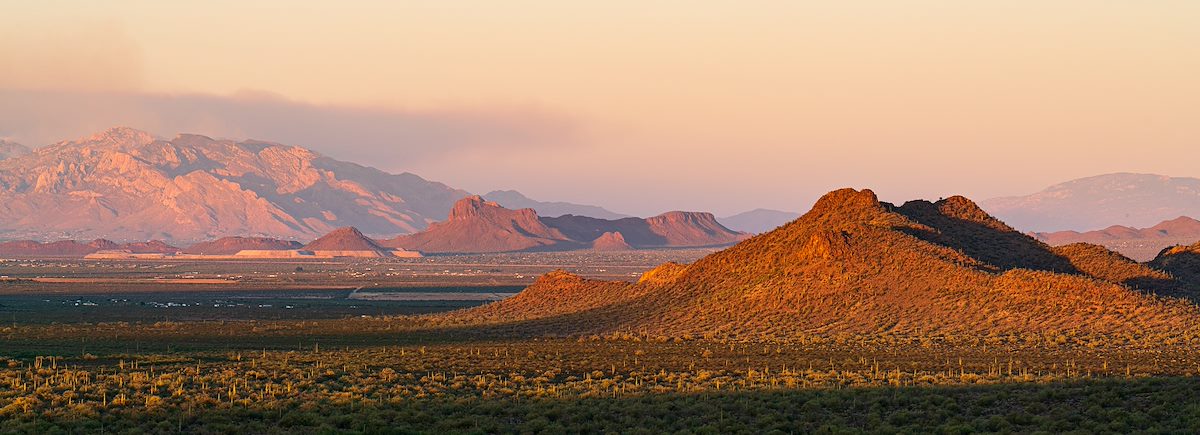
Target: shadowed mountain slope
[(1182, 262), (852, 265)]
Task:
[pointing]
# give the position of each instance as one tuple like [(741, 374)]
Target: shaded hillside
[(129, 184), (345, 239), (1134, 200), (758, 221), (855, 265), (235, 244), (1182, 262), (1137, 243), (476, 225), (514, 200), (71, 248)]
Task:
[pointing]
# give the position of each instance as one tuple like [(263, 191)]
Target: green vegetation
[(616, 383)]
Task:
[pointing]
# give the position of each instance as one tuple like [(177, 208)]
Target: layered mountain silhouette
[(234, 244), (512, 199), (758, 221), (128, 184), (1133, 200), (72, 248), (476, 225), (857, 265), (1137, 243)]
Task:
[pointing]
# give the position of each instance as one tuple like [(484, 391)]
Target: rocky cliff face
[(127, 184)]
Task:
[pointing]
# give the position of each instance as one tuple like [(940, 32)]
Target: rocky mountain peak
[(121, 136)]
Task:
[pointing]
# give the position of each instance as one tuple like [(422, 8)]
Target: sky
[(637, 106)]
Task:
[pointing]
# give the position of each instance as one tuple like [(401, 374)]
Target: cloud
[(382, 137)]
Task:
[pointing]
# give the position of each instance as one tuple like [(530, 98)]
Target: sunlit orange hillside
[(855, 264)]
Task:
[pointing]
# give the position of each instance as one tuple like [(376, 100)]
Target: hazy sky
[(639, 106)]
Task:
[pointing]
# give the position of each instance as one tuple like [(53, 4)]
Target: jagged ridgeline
[(854, 264)]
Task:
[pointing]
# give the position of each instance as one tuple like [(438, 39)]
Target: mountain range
[(854, 264), (476, 225), (1085, 204), (1141, 244), (126, 183)]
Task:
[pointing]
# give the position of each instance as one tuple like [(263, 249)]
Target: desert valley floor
[(231, 347)]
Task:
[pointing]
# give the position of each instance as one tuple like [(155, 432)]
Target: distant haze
[(639, 107)]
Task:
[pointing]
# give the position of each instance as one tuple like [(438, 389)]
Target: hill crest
[(856, 265)]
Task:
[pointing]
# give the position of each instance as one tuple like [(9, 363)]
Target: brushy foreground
[(616, 384)]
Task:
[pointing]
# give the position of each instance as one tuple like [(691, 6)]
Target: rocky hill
[(1085, 204), (234, 244), (127, 184), (856, 265), (476, 225), (346, 239), (1138, 243), (611, 242), (72, 248)]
